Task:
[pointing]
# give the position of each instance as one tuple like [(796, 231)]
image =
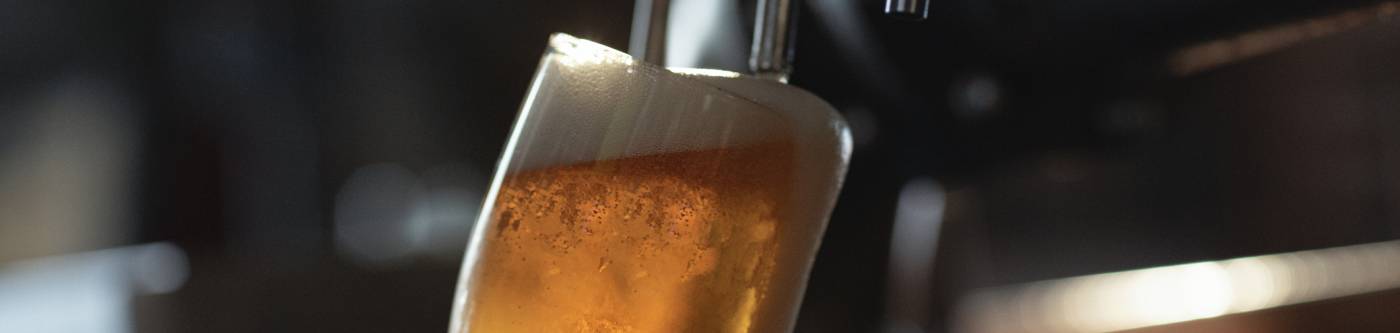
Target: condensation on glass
[(632, 198)]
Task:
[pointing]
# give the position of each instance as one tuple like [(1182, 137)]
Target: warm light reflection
[(918, 219), (1171, 294), (581, 52), (1211, 54), (704, 72)]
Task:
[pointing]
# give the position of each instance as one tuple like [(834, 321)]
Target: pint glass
[(632, 198)]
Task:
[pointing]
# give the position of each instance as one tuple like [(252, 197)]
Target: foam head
[(589, 102)]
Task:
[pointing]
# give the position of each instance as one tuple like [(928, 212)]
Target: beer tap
[(648, 40), (907, 9), (770, 46), (773, 37), (771, 51)]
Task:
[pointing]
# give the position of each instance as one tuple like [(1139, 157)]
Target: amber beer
[(693, 209), (677, 242)]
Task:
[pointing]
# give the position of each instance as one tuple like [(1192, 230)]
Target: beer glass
[(632, 198)]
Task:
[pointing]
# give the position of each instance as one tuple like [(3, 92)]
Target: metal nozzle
[(773, 33), (907, 9), (648, 40)]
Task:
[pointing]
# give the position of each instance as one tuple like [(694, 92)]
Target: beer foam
[(590, 102)]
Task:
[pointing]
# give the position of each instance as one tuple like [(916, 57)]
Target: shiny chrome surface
[(648, 39), (773, 32), (909, 9)]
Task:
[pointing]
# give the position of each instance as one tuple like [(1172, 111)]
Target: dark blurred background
[(275, 166)]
